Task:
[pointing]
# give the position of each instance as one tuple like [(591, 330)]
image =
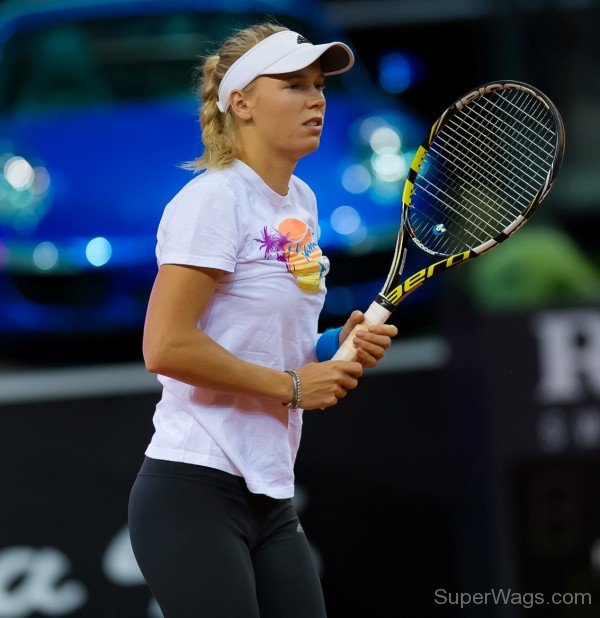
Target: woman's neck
[(275, 171)]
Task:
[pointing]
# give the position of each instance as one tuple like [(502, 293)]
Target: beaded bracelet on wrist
[(297, 396)]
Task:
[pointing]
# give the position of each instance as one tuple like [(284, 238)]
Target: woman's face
[(288, 110)]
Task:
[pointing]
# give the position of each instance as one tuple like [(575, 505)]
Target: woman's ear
[(239, 105)]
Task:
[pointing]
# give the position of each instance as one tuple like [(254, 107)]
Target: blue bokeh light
[(98, 251), (345, 220), (397, 72), (45, 255)]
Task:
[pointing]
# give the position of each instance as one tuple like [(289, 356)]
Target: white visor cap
[(282, 52)]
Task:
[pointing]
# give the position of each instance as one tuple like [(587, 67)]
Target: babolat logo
[(301, 39)]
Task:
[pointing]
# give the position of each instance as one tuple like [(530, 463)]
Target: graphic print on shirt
[(292, 243)]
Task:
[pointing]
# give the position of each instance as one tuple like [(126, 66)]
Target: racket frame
[(390, 296)]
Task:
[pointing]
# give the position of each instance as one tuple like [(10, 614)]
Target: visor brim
[(335, 58)]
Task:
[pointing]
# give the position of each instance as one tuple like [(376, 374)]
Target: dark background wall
[(475, 473)]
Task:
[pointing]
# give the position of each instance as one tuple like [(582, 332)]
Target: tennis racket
[(485, 167)]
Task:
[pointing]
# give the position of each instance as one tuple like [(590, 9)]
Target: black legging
[(210, 548)]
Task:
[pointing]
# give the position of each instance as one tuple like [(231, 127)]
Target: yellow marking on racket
[(433, 130), (418, 159), (414, 166), (408, 187), (416, 279)]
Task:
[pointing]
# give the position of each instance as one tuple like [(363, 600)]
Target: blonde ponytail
[(218, 128)]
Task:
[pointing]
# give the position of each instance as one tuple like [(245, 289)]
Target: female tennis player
[(231, 332)]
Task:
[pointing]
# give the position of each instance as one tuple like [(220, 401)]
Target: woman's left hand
[(370, 343)]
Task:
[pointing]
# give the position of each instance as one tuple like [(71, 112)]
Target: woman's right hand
[(324, 384)]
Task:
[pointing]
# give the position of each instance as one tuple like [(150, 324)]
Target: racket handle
[(375, 314)]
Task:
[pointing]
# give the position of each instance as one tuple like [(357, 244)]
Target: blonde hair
[(218, 128)]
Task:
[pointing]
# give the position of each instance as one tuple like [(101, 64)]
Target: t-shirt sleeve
[(199, 227)]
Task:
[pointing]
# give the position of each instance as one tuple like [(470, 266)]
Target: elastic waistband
[(191, 472)]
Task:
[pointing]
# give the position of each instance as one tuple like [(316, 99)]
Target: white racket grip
[(375, 314)]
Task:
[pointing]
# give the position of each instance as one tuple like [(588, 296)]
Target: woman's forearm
[(198, 360)]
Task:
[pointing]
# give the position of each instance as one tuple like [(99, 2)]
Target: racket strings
[(475, 172), (455, 210), (455, 205), (525, 145), (482, 171), (478, 172), (485, 216), (482, 222), (536, 103), (512, 163), (541, 163), (433, 218), (458, 246)]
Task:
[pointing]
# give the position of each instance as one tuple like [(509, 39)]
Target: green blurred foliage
[(539, 266)]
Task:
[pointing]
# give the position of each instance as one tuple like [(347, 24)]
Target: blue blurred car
[(97, 112)]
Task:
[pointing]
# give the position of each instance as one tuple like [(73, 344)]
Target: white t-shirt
[(264, 310)]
